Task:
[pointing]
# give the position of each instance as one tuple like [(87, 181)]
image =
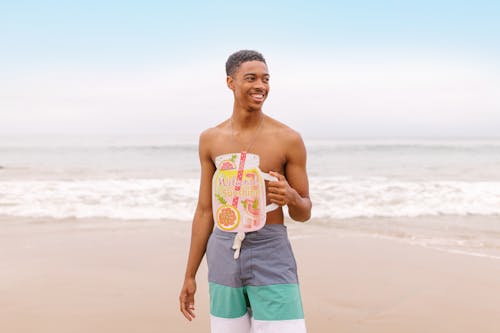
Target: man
[(258, 291)]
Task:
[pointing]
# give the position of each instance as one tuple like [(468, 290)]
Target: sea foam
[(332, 197)]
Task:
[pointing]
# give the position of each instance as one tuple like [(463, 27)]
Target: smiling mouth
[(258, 97)]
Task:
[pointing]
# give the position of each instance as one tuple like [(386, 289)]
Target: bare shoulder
[(210, 134), (206, 140), (207, 135), (210, 140), (287, 135)]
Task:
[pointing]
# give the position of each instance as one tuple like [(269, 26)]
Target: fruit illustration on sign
[(228, 217), (227, 165), (252, 179), (252, 206)]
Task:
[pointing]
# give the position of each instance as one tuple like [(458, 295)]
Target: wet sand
[(114, 276)]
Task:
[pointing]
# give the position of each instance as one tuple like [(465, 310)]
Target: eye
[(266, 79), (249, 78)]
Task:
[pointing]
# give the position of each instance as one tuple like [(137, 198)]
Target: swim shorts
[(258, 292)]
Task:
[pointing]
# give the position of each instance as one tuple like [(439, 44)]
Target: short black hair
[(236, 59)]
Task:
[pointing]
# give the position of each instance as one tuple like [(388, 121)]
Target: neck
[(244, 119)]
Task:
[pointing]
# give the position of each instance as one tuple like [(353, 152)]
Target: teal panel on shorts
[(227, 302), (276, 302)]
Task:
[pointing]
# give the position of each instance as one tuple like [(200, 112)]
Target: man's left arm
[(292, 189)]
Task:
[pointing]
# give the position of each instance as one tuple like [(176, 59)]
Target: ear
[(230, 82)]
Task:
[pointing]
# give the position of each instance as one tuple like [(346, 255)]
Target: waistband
[(268, 231)]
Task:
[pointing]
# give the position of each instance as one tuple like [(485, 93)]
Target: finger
[(273, 187), (277, 175), (278, 202), (182, 304), (188, 311), (277, 184), (190, 304), (275, 196), (277, 199), (277, 190), (187, 306), (184, 311), (274, 201), (273, 182), (187, 315), (182, 300)]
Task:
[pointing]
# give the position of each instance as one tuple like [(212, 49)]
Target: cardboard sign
[(239, 193)]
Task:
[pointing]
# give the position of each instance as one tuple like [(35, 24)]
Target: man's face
[(250, 84)]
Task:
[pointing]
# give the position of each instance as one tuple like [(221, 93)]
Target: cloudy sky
[(341, 69)]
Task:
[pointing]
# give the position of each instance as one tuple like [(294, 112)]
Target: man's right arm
[(203, 224)]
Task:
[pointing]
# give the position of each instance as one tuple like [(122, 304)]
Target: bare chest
[(271, 151)]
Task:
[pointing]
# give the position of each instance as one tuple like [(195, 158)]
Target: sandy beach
[(122, 276)]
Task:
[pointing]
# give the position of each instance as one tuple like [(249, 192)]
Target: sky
[(339, 69)]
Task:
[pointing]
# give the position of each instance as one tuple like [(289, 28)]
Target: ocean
[(443, 194)]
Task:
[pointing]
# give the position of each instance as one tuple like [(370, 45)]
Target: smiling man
[(252, 276)]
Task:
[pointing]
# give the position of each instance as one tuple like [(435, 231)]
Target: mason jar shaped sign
[(239, 193)]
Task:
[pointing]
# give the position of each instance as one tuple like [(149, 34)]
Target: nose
[(259, 84)]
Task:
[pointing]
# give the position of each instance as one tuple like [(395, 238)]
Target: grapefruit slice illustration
[(228, 217), (227, 165)]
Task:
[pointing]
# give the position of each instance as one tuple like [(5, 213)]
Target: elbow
[(301, 214), (302, 217)]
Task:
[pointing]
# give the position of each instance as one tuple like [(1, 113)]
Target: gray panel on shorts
[(266, 258)]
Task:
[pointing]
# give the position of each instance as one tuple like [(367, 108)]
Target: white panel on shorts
[(273, 326), (230, 325)]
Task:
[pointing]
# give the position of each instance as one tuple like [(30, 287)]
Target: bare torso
[(270, 144)]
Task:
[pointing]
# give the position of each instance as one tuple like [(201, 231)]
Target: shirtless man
[(259, 291)]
